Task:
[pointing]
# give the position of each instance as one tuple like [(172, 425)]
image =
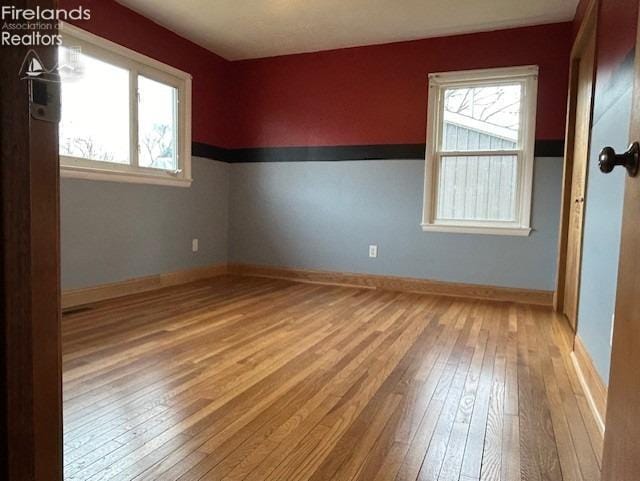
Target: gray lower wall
[(314, 215), (601, 238), (114, 231), (323, 215)]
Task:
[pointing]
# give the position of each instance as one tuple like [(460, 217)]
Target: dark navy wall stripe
[(549, 148), (331, 153), (543, 148), (210, 152)]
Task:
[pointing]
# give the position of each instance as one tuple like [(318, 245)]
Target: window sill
[(483, 230), (127, 177)]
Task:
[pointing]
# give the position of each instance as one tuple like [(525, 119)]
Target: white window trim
[(528, 75), (136, 63)]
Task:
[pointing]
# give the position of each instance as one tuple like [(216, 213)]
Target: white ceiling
[(239, 29)]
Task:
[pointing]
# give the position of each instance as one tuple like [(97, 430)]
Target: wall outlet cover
[(194, 245), (373, 251)]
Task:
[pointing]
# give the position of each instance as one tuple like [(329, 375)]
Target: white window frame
[(527, 76), (136, 64)]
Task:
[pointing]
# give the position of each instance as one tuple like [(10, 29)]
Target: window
[(125, 117), (479, 157)]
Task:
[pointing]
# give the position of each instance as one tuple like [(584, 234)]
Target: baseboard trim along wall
[(77, 297), (592, 384), (87, 295), (392, 283)]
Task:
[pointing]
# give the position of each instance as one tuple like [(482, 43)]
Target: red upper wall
[(616, 40), (210, 72), (378, 94), (363, 95), (617, 25)]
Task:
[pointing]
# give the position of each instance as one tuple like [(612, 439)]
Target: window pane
[(481, 118), (157, 124), (481, 188), (95, 108)]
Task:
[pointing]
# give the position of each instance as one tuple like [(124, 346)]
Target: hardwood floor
[(256, 379)]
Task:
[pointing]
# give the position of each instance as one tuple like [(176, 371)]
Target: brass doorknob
[(609, 159)]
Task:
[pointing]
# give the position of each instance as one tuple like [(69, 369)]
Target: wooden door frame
[(588, 27), (30, 352)]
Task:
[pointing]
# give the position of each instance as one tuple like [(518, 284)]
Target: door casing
[(30, 353), (587, 35)]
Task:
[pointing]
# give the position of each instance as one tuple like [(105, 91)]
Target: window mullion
[(436, 184), (520, 179), (133, 118), (177, 141), (437, 157)]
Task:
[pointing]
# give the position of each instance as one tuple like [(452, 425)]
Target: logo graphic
[(33, 68), (35, 27)]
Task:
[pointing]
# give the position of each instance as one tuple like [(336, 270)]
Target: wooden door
[(583, 65), (30, 360), (621, 459)]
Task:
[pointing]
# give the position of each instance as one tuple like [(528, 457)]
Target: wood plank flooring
[(265, 380)]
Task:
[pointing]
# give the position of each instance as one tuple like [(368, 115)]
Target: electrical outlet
[(373, 251), (194, 245)]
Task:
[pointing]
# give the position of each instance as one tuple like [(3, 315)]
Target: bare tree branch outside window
[(85, 148), (158, 145), (497, 105)]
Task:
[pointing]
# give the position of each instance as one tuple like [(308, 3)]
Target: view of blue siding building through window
[(483, 121)]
